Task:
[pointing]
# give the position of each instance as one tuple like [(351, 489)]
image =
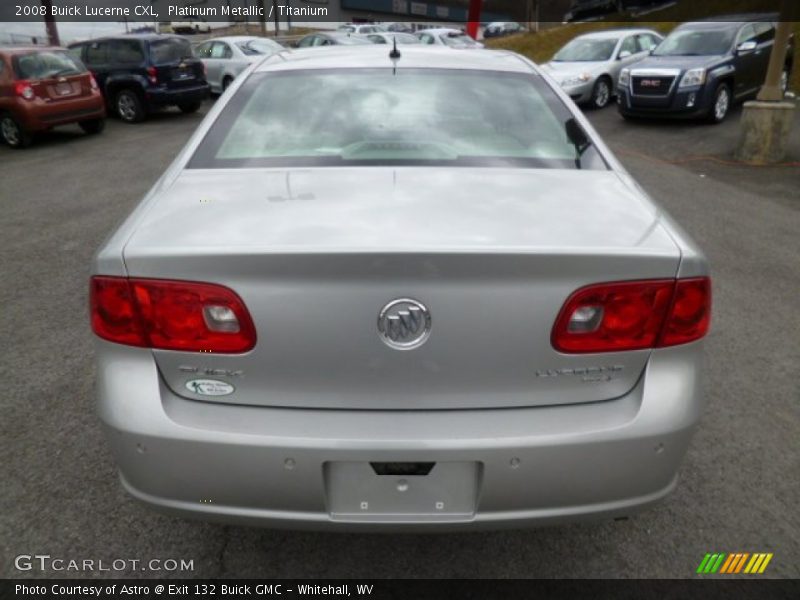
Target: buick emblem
[(404, 324)]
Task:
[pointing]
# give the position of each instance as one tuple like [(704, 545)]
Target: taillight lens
[(633, 315), (690, 313), (23, 89), (152, 74), (171, 315)]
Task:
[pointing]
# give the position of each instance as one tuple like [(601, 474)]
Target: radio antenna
[(394, 55)]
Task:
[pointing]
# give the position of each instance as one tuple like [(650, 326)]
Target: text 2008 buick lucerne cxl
[(411, 292)]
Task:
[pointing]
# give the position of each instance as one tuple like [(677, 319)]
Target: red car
[(41, 88)]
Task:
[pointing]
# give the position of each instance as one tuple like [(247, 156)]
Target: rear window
[(375, 117), (47, 64), (259, 47), (458, 40), (169, 50)]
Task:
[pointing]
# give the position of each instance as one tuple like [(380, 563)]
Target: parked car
[(392, 37), (225, 57), (186, 27), (142, 73), (588, 66), (701, 69), (587, 9), (452, 38), (400, 27), (502, 28), (427, 301), (361, 28), (41, 88), (332, 38)]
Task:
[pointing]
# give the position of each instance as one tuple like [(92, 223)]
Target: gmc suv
[(700, 70), (141, 73)]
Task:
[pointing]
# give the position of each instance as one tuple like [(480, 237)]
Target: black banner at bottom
[(381, 589)]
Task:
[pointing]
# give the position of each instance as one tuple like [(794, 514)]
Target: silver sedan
[(398, 292), (226, 57), (588, 67)]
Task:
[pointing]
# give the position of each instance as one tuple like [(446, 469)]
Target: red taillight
[(690, 313), (23, 89), (170, 315), (114, 315), (152, 75), (633, 315)]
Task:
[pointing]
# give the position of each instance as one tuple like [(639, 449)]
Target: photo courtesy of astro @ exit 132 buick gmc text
[(395, 299)]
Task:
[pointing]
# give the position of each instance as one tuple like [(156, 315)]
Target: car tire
[(721, 104), (190, 107), (601, 93), (225, 83), (13, 133), (93, 126), (129, 106)]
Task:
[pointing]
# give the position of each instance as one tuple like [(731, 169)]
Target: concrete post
[(767, 122)]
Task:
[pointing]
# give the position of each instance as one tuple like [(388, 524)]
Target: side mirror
[(624, 54), (577, 136), (746, 47)]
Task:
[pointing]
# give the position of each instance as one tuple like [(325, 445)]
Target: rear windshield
[(458, 40), (377, 117), (696, 42), (259, 47), (169, 50), (47, 64)]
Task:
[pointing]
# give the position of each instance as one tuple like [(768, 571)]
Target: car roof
[(729, 21), (441, 30), (22, 49), (235, 38), (377, 56), (614, 34), (146, 37)]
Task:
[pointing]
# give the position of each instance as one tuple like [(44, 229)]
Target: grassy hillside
[(540, 47)]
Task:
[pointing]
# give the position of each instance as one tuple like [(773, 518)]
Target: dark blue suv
[(141, 73), (700, 70)]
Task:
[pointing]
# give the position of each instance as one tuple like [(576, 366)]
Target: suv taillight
[(23, 89), (632, 315), (170, 315), (152, 75)]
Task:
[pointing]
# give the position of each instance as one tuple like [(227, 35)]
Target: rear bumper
[(156, 97), (267, 466), (39, 115)]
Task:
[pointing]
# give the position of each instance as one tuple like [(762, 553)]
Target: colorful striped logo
[(734, 563)]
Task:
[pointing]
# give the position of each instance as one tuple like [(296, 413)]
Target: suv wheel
[(93, 126), (13, 133), (721, 104), (601, 94), (190, 107), (129, 106)]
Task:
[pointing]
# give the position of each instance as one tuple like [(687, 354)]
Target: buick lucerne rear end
[(406, 292)]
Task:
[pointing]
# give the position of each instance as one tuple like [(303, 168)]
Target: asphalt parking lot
[(739, 486)]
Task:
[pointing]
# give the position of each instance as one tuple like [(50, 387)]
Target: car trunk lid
[(316, 254)]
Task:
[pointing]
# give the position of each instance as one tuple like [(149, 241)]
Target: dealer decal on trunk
[(209, 387)]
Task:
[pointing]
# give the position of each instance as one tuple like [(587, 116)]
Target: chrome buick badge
[(404, 324)]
